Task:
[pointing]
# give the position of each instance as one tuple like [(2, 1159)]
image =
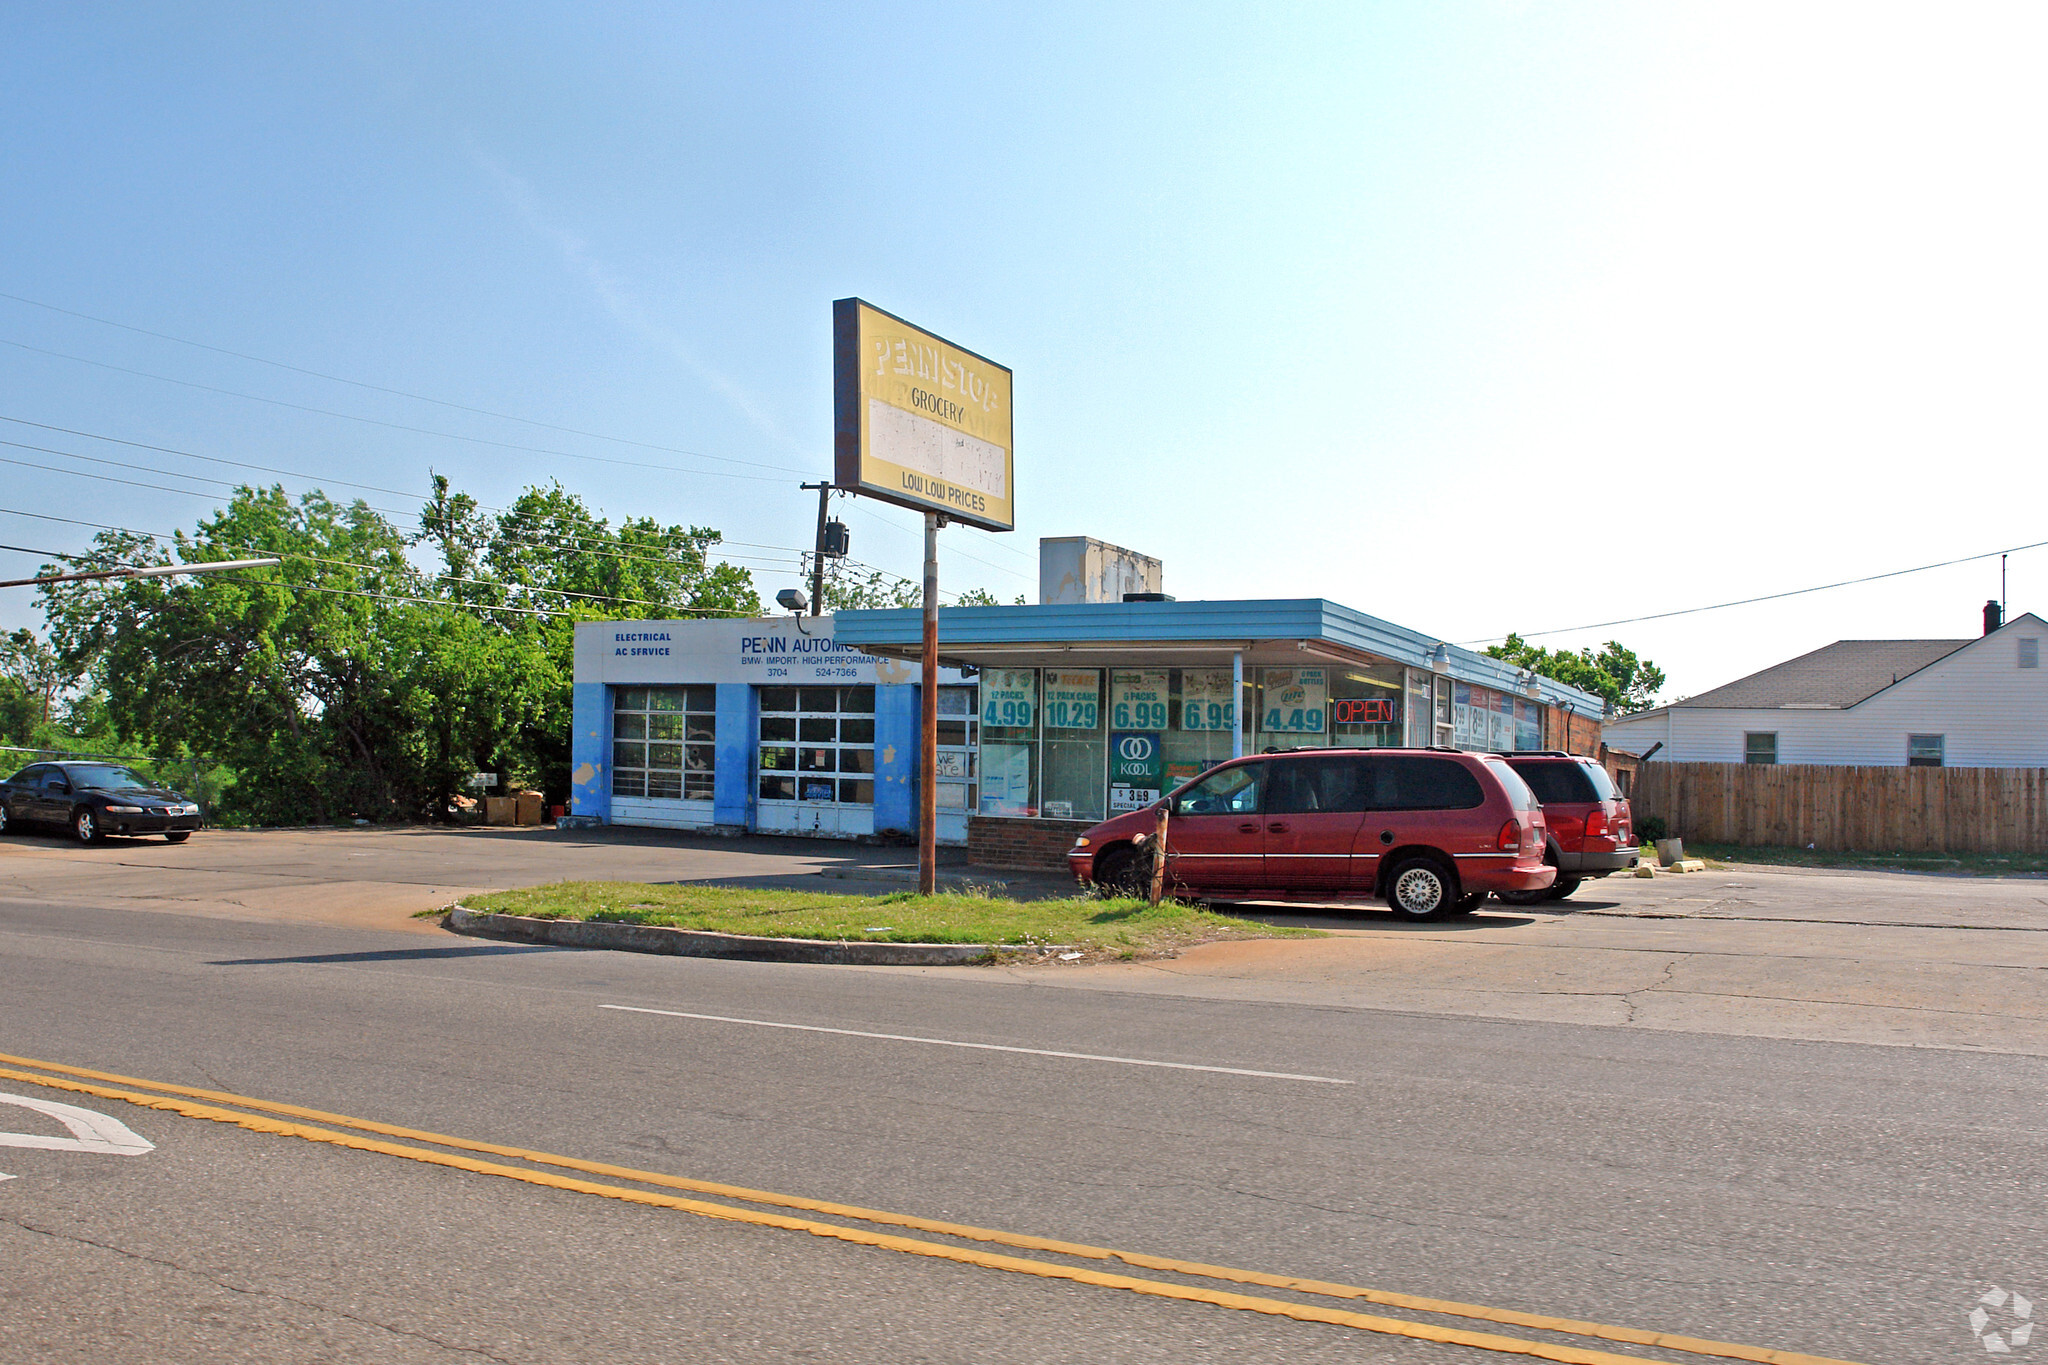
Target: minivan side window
[(1304, 786), (1227, 791), (1401, 782)]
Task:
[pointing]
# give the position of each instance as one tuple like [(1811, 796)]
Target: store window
[(1076, 744), (1365, 706), (664, 742), (818, 744), (1759, 747), (1925, 751), (1293, 709), (1009, 741), (1203, 719)]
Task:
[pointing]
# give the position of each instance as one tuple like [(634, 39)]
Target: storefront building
[(1050, 717)]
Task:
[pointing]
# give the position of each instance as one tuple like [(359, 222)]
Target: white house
[(1978, 703)]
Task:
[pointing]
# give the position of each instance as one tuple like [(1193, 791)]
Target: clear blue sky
[(1478, 317)]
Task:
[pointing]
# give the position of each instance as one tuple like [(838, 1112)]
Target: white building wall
[(1991, 712)]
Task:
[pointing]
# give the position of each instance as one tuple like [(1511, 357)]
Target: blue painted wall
[(897, 723), (739, 729), (590, 776)]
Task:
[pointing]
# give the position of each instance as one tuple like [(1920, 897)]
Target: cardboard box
[(531, 809), (500, 810)]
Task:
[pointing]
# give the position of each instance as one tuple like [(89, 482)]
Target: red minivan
[(1591, 829), (1429, 831)]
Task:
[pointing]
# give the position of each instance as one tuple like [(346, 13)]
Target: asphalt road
[(1845, 1200)]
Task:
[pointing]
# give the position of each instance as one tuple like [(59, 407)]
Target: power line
[(441, 402), (1767, 597), (541, 543), (284, 473), (380, 388), (418, 431), (373, 568), (426, 398)]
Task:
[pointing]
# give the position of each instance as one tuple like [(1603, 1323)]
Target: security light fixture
[(792, 599)]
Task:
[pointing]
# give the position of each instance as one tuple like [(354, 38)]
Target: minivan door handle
[(1250, 828), (1277, 827)]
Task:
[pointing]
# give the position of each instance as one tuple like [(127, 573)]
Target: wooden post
[(1159, 855)]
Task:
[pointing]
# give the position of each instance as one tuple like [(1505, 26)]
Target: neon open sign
[(1362, 711)]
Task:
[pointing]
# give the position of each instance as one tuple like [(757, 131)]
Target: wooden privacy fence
[(1876, 810)]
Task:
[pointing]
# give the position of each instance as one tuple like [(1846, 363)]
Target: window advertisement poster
[(1503, 720), (1137, 698), (1528, 725), (1135, 769), (1461, 715), (1073, 699), (1207, 700), (1006, 779), (1009, 697), (1295, 700)]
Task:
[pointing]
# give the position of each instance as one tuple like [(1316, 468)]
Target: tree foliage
[(1626, 682), (352, 682)]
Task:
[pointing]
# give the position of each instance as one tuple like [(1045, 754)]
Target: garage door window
[(818, 744), (664, 742)]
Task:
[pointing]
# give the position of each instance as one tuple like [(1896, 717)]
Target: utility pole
[(928, 695), (818, 550)]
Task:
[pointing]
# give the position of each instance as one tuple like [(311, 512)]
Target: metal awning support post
[(928, 699), (1237, 702)]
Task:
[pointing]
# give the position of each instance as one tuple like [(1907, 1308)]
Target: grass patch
[(1961, 864), (1115, 928)]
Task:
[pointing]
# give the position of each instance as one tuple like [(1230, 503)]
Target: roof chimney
[(1994, 616)]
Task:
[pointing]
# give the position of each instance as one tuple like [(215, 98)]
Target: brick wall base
[(1027, 845)]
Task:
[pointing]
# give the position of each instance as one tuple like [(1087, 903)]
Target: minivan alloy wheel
[(1419, 889)]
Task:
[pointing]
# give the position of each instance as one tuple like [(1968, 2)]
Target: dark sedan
[(93, 800)]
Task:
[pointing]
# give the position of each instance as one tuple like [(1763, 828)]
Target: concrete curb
[(655, 938)]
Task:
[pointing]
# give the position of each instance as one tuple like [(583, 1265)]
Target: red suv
[(1430, 831), (1591, 831)]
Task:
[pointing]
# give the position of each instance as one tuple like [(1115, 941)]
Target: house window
[(1760, 748), (2030, 653), (1924, 751)]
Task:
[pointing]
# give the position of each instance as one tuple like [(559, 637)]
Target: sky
[(1479, 317)]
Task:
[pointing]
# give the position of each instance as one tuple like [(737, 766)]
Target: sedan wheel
[(85, 825), (1420, 889), (3, 817)]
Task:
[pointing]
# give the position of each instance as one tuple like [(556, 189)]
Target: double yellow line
[(264, 1116)]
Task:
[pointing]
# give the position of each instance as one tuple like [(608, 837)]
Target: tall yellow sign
[(918, 421)]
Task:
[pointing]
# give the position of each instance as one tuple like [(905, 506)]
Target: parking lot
[(1893, 958)]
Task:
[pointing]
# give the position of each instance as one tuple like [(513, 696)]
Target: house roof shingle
[(1837, 675)]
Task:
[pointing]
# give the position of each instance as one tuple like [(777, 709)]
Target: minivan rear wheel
[(1421, 888)]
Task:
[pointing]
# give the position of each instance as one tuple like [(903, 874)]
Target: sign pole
[(928, 696)]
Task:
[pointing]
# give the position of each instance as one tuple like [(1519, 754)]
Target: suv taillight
[(1596, 823), (1510, 835)]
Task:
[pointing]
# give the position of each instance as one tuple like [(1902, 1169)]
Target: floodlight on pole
[(142, 571)]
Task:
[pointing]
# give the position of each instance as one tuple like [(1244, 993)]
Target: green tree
[(1626, 682)]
